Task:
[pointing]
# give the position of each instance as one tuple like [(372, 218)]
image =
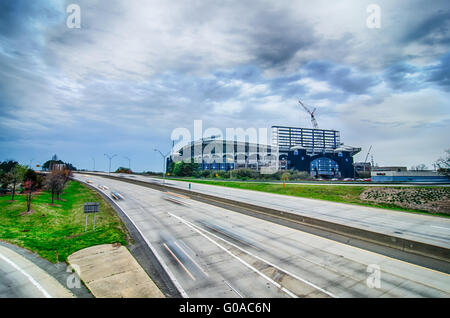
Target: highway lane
[(214, 252), (418, 227), (21, 278)]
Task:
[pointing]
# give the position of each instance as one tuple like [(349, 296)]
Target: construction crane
[(313, 118), (367, 156), (365, 161)]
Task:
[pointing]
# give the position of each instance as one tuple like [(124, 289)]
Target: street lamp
[(110, 158), (93, 159), (164, 158)]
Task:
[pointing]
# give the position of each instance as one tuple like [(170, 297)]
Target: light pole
[(93, 159), (164, 158), (129, 162), (31, 162), (110, 158)]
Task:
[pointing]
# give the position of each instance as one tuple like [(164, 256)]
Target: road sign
[(91, 207)]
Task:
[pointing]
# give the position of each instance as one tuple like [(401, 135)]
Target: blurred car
[(116, 196)]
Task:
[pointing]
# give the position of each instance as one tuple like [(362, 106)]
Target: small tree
[(29, 187), (53, 183), (285, 176), (63, 177), (15, 176)]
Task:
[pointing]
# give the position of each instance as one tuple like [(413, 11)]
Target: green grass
[(335, 193), (55, 232)]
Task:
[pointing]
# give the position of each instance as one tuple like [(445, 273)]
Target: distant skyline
[(136, 70)]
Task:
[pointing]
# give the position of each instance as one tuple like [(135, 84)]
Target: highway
[(417, 227), (209, 251), (21, 278)]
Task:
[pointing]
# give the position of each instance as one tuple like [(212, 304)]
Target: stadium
[(316, 151)]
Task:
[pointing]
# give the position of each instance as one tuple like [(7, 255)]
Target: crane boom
[(367, 156), (311, 113)]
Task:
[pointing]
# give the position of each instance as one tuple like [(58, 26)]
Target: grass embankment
[(55, 232), (335, 193)]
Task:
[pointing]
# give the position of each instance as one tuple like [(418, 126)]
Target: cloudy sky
[(136, 70)]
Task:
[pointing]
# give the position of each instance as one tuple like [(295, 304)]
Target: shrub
[(285, 176), (300, 175)]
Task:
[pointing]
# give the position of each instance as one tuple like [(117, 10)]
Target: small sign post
[(90, 207)]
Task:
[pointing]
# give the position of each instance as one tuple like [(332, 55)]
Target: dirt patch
[(435, 200), (27, 213), (74, 236), (55, 205)]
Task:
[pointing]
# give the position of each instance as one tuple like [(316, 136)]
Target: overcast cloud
[(136, 70)]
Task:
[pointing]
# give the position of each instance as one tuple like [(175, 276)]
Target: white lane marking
[(31, 279), (373, 253), (440, 227), (192, 260), (179, 262), (287, 291), (263, 260), (233, 289), (158, 257)]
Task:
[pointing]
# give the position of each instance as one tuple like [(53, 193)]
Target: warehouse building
[(401, 174), (317, 151)]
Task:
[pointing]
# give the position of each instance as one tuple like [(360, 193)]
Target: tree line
[(16, 178)]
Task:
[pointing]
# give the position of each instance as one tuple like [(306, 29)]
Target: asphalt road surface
[(21, 278), (417, 227), (213, 252)]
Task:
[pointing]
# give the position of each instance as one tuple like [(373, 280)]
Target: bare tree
[(56, 182), (419, 167), (52, 183), (443, 164)]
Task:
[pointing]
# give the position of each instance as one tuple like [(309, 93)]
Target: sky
[(136, 70)]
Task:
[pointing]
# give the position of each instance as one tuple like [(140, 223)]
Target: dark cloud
[(341, 77), (404, 77), (407, 77), (435, 29), (440, 73), (123, 81)]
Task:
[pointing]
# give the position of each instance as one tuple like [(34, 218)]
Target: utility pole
[(110, 158), (164, 158)]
